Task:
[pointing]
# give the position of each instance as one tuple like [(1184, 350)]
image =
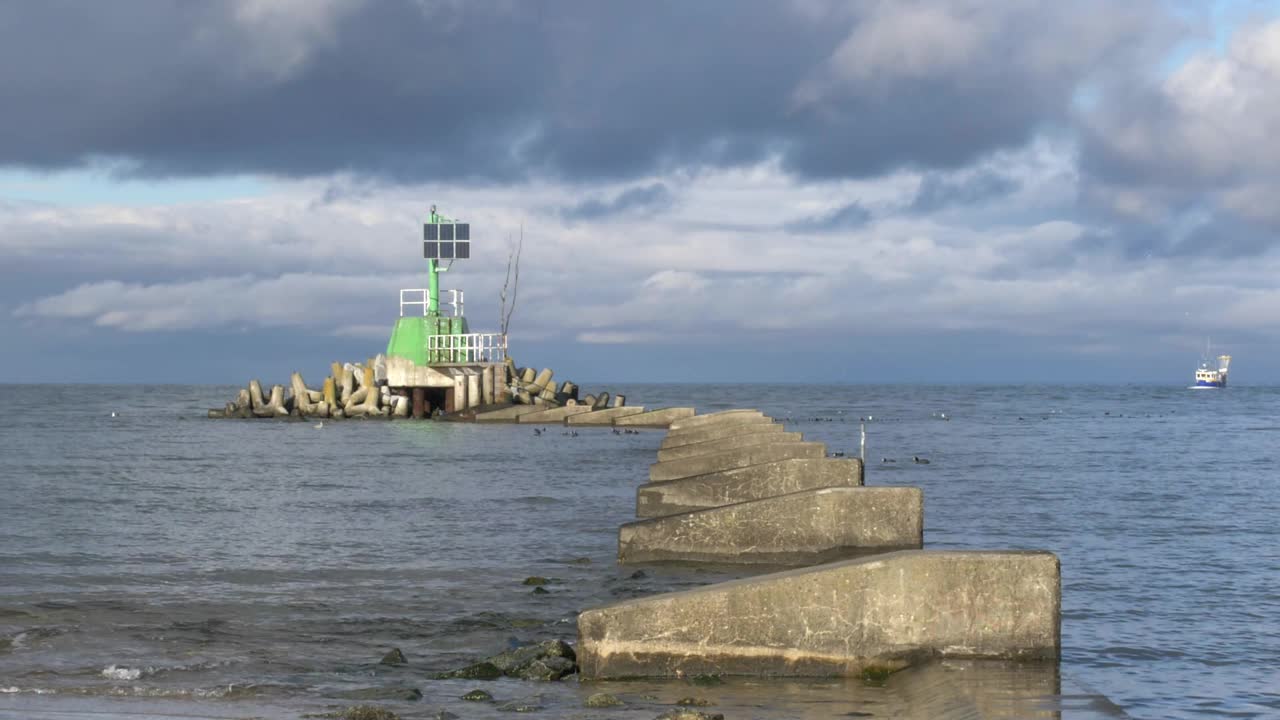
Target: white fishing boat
[(1207, 376)]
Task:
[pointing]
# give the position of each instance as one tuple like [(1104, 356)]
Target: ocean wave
[(220, 692), (117, 672)]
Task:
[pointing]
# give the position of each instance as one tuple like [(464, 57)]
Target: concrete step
[(884, 612), (715, 432), (733, 442), (808, 527), (606, 416), (730, 459), (743, 484), (654, 418)]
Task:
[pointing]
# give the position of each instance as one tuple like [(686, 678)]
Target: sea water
[(155, 563)]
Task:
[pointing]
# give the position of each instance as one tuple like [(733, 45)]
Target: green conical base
[(409, 338)]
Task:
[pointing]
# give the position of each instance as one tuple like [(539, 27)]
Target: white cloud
[(1203, 134), (721, 266)]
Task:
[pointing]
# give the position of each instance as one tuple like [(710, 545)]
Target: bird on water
[(919, 460)]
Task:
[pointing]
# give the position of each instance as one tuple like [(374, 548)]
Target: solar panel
[(446, 241)]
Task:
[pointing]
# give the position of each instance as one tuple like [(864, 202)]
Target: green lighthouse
[(425, 333)]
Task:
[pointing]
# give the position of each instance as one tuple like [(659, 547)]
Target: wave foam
[(113, 672)]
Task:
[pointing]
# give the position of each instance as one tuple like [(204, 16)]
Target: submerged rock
[(368, 712), (536, 580), (541, 591), (478, 696), (520, 706), (686, 714), (603, 700), (478, 671), (444, 715), (695, 702), (382, 693), (547, 660), (395, 657), (546, 669)]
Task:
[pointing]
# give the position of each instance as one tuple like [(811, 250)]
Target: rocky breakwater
[(736, 487), (350, 391), (397, 388)]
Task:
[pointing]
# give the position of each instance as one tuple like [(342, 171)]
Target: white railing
[(469, 348), (455, 301), (421, 296), (411, 293)]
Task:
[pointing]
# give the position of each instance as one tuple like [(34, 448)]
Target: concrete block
[(730, 459), (474, 386), (743, 484), (724, 416), (807, 527), (660, 418), (508, 414), (676, 438), (885, 611), (554, 416), (733, 442), (604, 417)]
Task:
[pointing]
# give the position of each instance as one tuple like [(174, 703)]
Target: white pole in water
[(862, 449)]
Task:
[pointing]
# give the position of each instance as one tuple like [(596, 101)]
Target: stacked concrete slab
[(804, 527), (755, 482), (736, 487), (604, 417), (877, 614), (586, 415), (655, 418), (732, 459), (554, 416), (743, 490)]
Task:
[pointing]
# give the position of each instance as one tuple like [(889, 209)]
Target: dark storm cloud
[(649, 198), (579, 90), (848, 217)]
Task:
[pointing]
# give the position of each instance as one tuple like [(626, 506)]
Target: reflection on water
[(942, 690)]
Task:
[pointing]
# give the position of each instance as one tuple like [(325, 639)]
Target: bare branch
[(502, 312), (515, 282)]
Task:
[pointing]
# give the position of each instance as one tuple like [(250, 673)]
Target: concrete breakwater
[(383, 387), (739, 488)]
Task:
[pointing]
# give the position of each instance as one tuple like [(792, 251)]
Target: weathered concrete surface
[(405, 373), (743, 484), (885, 611), (555, 415), (730, 459), (676, 438), (715, 418), (806, 527), (605, 417), (508, 414), (733, 442), (660, 418)]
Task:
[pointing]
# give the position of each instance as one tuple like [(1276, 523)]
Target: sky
[(716, 191)]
